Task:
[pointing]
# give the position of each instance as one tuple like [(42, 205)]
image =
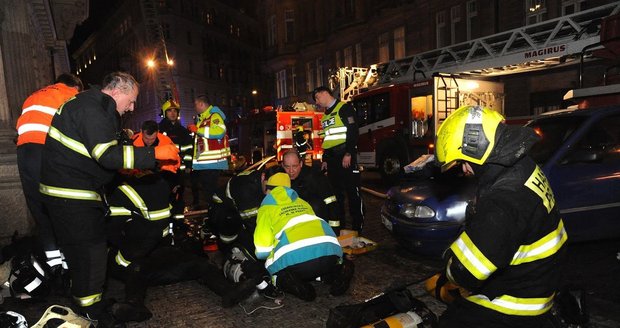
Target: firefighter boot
[(290, 283), (97, 312), (237, 293), (130, 311), (342, 277)]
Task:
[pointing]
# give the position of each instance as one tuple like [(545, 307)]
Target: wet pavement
[(592, 266)]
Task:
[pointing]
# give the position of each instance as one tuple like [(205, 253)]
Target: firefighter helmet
[(10, 319), (28, 277), (169, 104), (468, 134)]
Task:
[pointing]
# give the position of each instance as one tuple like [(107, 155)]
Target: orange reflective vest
[(162, 139), (38, 111)]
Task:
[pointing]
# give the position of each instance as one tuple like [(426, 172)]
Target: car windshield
[(553, 132)]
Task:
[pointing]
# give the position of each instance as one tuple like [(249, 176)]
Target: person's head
[(467, 137), (171, 110), (267, 173), (201, 103), (279, 179), (323, 96), (149, 132), (70, 80), (123, 88), (291, 163)]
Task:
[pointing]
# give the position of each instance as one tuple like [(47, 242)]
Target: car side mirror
[(583, 156)]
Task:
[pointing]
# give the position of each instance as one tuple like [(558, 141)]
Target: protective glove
[(167, 153), (192, 128), (439, 287)]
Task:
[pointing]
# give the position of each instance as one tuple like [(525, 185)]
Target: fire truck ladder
[(155, 38), (447, 96), (349, 81), (553, 42)]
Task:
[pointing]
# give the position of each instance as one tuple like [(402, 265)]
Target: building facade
[(211, 47), (307, 40), (33, 52)]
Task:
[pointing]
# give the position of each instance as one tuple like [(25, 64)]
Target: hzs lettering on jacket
[(331, 121), (538, 183)]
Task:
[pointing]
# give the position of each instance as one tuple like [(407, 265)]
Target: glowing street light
[(150, 63)]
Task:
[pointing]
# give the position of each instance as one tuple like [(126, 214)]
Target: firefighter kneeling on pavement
[(297, 245), (142, 254), (504, 268)]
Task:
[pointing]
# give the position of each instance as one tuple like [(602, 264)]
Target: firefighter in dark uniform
[(171, 126), (340, 133), (313, 187), (150, 136), (82, 154), (508, 256), (143, 254)]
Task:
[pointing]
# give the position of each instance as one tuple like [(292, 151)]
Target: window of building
[(310, 73), (281, 84), (399, 42), (455, 19), (349, 7), (384, 47), (238, 31), (231, 29), (440, 29), (338, 62), (190, 65), (271, 31), (293, 82), (571, 6), (348, 56), (289, 23), (472, 12), (358, 54), (535, 11), (189, 38), (221, 73), (319, 71), (165, 29)]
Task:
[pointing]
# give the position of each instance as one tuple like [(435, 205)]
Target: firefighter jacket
[(211, 149), (340, 131), (139, 215), (162, 139), (82, 152), (287, 231), (181, 138), (508, 254), (38, 111), (313, 187)]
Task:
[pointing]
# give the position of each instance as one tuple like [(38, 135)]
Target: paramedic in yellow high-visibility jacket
[(297, 245)]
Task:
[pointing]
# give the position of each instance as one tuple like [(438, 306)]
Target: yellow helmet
[(168, 105), (468, 134), (279, 180)]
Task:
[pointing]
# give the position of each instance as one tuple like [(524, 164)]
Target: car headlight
[(417, 211)]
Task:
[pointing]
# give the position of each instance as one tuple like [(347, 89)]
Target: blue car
[(579, 152)]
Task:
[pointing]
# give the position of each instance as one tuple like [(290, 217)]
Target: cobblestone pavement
[(191, 304)]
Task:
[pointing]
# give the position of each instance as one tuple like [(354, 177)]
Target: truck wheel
[(391, 165)]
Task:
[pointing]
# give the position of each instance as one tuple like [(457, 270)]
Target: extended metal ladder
[(548, 43), (155, 38)]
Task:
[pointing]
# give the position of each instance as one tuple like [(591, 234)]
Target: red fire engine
[(401, 103)]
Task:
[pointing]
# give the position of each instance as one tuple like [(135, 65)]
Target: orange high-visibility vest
[(38, 111)]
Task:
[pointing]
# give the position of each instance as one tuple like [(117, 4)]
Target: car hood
[(447, 196)]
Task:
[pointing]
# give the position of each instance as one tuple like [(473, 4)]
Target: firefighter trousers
[(29, 165), (81, 236), (347, 181)]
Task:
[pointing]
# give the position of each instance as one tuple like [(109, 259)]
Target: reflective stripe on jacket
[(211, 148), (287, 231), (509, 250), (38, 111), (334, 130)]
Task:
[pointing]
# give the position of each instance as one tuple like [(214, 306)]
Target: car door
[(586, 182)]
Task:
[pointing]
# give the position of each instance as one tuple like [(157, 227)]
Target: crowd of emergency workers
[(111, 203)]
